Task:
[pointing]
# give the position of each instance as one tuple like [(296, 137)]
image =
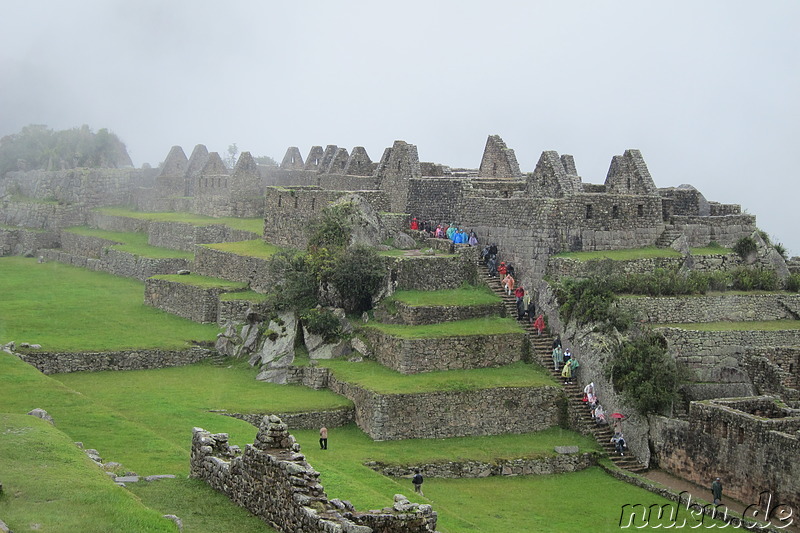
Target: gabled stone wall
[(273, 480)]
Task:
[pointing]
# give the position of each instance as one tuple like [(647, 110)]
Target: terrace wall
[(120, 263), (42, 215), (21, 241), (198, 304), (230, 266), (559, 267), (411, 356), (725, 230), (308, 420), (430, 273), (712, 308), (424, 314), (446, 414), (65, 362), (540, 466), (182, 236)]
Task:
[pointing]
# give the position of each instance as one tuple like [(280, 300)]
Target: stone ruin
[(273, 480)]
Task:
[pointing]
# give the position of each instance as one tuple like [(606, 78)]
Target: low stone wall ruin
[(38, 215), (65, 362), (182, 236), (712, 308), (431, 273), (20, 241), (411, 356), (120, 263), (272, 480), (333, 418)]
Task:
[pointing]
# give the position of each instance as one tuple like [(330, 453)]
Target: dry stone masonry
[(272, 479)]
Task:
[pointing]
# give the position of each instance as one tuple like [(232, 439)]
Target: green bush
[(295, 287), (644, 374), (322, 322), (754, 279), (357, 274), (332, 228), (590, 301), (744, 247), (793, 283)]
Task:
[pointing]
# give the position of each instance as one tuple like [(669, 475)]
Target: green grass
[(66, 308), (464, 296), (51, 485), (250, 296), (132, 242), (773, 325), (647, 252), (376, 377), (473, 326), (254, 225), (204, 282), (254, 248)]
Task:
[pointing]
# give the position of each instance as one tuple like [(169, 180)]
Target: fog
[(706, 90)]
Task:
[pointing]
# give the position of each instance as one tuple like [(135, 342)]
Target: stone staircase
[(668, 236), (541, 353)]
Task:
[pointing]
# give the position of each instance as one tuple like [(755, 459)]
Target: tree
[(265, 160), (233, 154)]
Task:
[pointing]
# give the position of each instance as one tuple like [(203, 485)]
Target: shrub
[(590, 300), (357, 274), (322, 322), (295, 287), (332, 228), (644, 374), (781, 249), (745, 247), (754, 279), (793, 283)]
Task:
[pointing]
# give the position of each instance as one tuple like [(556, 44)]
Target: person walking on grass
[(417, 481), (323, 438)]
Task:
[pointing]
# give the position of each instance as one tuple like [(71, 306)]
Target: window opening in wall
[(295, 202), (280, 200), (588, 210), (640, 210), (225, 183), (316, 160), (313, 203), (398, 165), (615, 211), (740, 436), (494, 169), (629, 184)]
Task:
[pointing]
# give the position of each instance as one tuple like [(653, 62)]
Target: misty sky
[(708, 91)]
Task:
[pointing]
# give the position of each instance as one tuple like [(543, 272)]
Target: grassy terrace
[(773, 325), (457, 328), (648, 252), (131, 242), (255, 225), (250, 296), (204, 282), (66, 308), (254, 248), (464, 296), (378, 378)]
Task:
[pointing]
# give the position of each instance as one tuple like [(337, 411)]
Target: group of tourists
[(563, 360), (443, 231), (599, 416)]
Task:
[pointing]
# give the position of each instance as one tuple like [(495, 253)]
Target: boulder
[(278, 340), (404, 241), (331, 350), (367, 227), (41, 413)]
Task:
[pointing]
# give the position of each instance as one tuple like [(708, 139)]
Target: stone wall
[(182, 236), (230, 266), (430, 273), (444, 414), (19, 241), (117, 223), (747, 442), (538, 466), (120, 263), (559, 267), (712, 308), (687, 344), (44, 215), (403, 313), (90, 187), (411, 356), (199, 304), (724, 230), (272, 480), (65, 362), (308, 420)]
